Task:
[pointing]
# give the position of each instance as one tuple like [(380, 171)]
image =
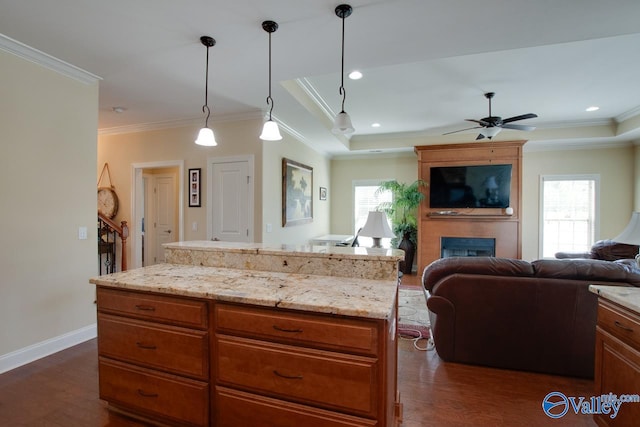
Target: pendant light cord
[(269, 99), (205, 107), (342, 90)]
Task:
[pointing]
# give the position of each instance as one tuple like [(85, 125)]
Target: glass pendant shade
[(206, 138), (270, 131), (342, 124), (490, 132)]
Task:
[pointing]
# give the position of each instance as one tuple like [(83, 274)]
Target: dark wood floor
[(62, 390)]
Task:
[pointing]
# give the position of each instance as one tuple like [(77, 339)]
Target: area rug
[(413, 317)]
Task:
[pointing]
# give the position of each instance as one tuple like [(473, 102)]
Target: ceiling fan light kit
[(492, 125), (206, 136), (270, 130), (342, 124)]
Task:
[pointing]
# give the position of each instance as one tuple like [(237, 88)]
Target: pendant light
[(205, 136), (342, 124), (270, 131)]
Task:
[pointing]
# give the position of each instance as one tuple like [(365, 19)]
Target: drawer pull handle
[(145, 307), (621, 326), (145, 394), (146, 346), (291, 331), (289, 377)]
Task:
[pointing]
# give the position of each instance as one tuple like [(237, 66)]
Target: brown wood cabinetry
[(154, 356), (493, 223), (185, 361), (308, 369), (617, 368)]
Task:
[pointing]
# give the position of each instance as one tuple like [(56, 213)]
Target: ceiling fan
[(492, 125)]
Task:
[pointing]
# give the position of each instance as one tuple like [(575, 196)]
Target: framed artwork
[(194, 188), (297, 193), (323, 193)]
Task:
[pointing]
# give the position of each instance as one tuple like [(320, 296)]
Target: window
[(568, 213), (366, 198)]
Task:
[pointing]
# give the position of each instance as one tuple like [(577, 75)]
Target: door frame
[(251, 191), (137, 204)]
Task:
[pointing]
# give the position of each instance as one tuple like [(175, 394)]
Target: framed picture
[(297, 193), (323, 193), (194, 188)]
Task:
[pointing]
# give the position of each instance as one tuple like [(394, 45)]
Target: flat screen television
[(477, 186)]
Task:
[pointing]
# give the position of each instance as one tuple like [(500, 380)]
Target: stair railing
[(108, 234)]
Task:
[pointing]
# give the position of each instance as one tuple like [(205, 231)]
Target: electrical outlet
[(82, 233), (194, 226), (269, 228)]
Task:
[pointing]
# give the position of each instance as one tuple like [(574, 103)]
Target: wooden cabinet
[(617, 368), (190, 362), (154, 356), (307, 369), (488, 223)]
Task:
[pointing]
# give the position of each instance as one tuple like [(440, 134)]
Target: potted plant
[(402, 212)]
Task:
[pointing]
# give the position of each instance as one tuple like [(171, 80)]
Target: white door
[(230, 195), (163, 215)]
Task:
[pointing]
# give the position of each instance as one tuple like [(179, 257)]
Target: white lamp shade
[(270, 131), (490, 132), (631, 234), (342, 124), (205, 137), (377, 226)]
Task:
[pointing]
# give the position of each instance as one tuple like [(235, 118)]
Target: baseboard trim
[(42, 349)]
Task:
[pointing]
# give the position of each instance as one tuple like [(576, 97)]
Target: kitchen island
[(286, 336)]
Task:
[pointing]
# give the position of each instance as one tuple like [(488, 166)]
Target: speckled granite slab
[(625, 296), (365, 263), (308, 292)]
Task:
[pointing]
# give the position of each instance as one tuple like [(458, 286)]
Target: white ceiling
[(426, 64)]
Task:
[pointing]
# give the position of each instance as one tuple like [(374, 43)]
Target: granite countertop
[(316, 293), (626, 296), (291, 250)]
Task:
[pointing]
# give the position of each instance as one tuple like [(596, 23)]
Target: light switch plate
[(82, 233)]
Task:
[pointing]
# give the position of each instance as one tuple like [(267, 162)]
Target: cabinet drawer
[(178, 350), (148, 392), (237, 408), (179, 311), (330, 380), (347, 335), (621, 324)]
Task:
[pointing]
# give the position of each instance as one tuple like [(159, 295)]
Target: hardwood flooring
[(62, 390)]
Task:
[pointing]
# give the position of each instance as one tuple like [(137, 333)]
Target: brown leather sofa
[(606, 250), (506, 313)]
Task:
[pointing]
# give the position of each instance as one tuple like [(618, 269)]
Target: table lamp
[(631, 234), (377, 227)]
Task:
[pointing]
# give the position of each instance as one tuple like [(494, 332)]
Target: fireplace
[(467, 246)]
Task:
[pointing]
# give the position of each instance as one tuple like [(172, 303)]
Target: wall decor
[(297, 193), (194, 188), (323, 193)]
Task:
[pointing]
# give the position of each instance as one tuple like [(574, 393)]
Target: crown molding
[(314, 95), (28, 53), (627, 115)]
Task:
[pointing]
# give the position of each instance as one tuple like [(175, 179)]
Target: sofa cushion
[(593, 270), (491, 266)]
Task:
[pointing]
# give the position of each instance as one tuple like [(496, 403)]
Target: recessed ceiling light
[(375, 125), (593, 108), (355, 75)]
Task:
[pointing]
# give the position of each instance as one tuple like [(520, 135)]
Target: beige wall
[(616, 169), (122, 151), (381, 167), (48, 131), (272, 189)]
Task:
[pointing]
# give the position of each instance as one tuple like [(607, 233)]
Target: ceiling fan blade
[(518, 127), (462, 130), (521, 117), (480, 122)]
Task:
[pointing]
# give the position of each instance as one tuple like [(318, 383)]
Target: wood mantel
[(495, 223)]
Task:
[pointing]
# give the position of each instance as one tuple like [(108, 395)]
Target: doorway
[(156, 217)]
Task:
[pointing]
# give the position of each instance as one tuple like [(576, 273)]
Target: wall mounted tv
[(477, 186)]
